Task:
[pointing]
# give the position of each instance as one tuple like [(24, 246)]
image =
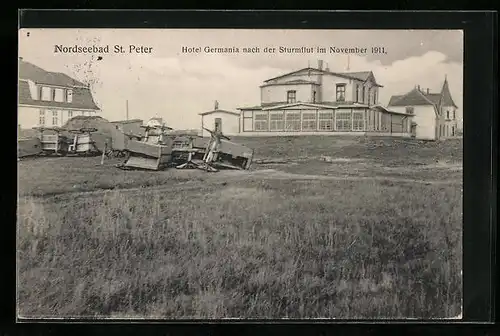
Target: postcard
[(240, 174)]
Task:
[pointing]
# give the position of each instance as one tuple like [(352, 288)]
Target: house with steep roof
[(50, 98), (434, 115), (319, 101)]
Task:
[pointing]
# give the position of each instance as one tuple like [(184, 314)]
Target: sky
[(178, 86)]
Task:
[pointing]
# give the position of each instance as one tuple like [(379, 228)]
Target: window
[(41, 117), (454, 115), (46, 93), (363, 95), (69, 95), (291, 97), (410, 109), (309, 121), (374, 97), (358, 123), (276, 121), (340, 92), (260, 122), (314, 97), (447, 114), (343, 121), (326, 121), (452, 130), (357, 92), (55, 118), (70, 114), (58, 95), (292, 121), (377, 120), (369, 96)]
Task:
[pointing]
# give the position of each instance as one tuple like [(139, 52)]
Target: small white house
[(434, 115), (226, 121)]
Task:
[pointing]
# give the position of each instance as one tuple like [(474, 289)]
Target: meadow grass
[(245, 247), (250, 248), (40, 177), (390, 151)]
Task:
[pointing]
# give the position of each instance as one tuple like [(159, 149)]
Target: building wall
[(329, 87), (278, 93), (309, 120), (230, 123), (448, 122), (372, 134), (29, 117), (425, 117), (326, 92)]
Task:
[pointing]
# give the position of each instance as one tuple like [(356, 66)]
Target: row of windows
[(340, 95), (448, 115), (411, 110), (55, 94), (56, 116), (311, 121), (361, 95), (446, 130)]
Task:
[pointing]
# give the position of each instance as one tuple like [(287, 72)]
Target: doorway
[(218, 125), (413, 130)]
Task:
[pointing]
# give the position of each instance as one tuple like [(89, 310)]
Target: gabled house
[(213, 120), (317, 100), (434, 115), (50, 98)]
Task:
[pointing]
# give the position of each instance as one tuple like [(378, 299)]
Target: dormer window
[(357, 93), (291, 97), (59, 95), (341, 92), (448, 114), (46, 93), (314, 97), (410, 110), (69, 95), (363, 94)]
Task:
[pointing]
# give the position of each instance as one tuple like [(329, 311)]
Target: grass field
[(372, 232)]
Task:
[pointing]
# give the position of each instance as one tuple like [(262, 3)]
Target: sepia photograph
[(239, 174)]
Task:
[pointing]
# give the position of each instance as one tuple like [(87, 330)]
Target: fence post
[(104, 152)]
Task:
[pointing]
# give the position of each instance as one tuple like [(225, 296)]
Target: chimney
[(320, 64)]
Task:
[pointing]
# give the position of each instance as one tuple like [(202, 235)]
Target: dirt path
[(224, 177), (276, 174)]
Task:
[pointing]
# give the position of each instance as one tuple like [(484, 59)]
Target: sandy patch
[(243, 193)]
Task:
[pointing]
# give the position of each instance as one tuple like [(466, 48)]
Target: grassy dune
[(246, 247)]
